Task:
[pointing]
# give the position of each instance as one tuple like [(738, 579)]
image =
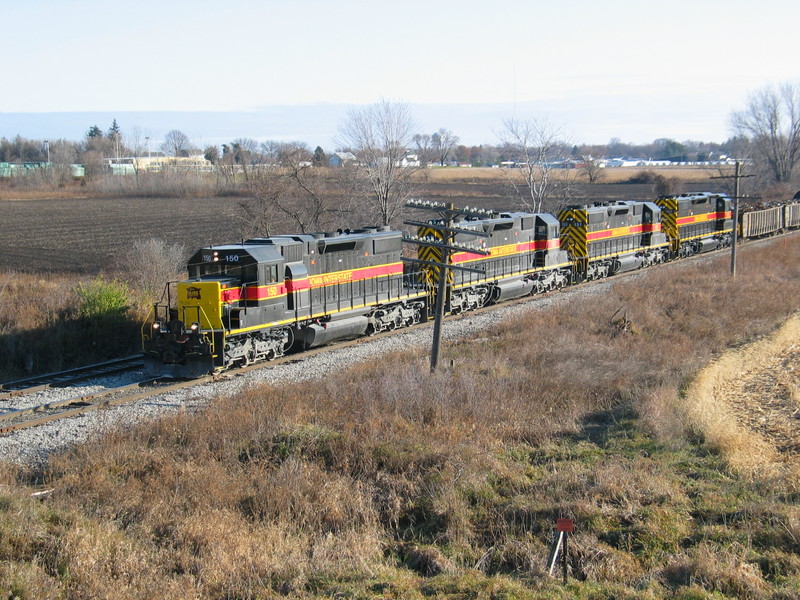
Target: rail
[(64, 378)]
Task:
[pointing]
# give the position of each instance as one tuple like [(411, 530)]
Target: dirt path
[(747, 403)]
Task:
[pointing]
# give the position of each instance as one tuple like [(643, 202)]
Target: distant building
[(26, 168), (340, 159), (155, 164), (409, 160)]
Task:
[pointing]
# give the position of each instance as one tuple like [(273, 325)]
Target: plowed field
[(87, 235)]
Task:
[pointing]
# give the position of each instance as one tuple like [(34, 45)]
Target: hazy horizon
[(317, 124)]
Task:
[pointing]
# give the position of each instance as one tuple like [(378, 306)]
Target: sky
[(636, 71)]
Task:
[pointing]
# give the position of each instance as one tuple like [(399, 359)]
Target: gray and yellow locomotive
[(698, 222), (255, 300), (606, 239)]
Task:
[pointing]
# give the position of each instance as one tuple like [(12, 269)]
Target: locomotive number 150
[(228, 258)]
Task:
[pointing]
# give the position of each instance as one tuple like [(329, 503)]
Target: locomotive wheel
[(289, 339)]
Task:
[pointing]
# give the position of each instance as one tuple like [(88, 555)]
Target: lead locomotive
[(255, 300)]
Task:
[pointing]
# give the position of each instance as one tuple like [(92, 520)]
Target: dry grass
[(744, 449), (377, 482), (40, 330), (167, 184)]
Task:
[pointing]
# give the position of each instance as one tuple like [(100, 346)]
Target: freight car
[(791, 216), (758, 223), (769, 220), (255, 300)]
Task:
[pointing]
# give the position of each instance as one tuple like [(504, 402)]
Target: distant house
[(340, 159)]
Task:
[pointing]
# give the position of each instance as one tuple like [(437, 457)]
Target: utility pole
[(439, 243), (737, 175)]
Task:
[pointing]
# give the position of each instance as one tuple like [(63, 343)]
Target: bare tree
[(379, 136), (148, 264), (537, 149), (270, 150), (443, 143), (211, 154), (62, 156), (422, 144), (591, 168), (136, 140), (294, 195), (293, 153), (771, 124), (175, 143), (244, 152)]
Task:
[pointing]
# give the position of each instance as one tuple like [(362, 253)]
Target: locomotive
[(257, 300), (524, 257), (606, 239), (697, 223)]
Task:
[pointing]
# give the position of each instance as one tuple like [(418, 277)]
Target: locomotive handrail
[(146, 330)]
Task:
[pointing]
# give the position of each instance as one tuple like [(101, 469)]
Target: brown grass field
[(609, 176)]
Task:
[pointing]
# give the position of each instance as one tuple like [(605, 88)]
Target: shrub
[(102, 299), (147, 265)]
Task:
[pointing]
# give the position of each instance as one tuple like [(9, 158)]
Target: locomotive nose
[(171, 355)]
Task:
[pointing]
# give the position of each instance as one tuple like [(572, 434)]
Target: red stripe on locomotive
[(552, 244)]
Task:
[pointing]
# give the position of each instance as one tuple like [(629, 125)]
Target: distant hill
[(582, 120)]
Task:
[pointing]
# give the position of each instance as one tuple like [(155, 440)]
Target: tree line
[(441, 148)]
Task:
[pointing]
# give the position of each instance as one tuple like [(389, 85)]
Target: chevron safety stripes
[(574, 229), (432, 253), (669, 221)]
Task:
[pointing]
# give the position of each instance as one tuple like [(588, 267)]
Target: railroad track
[(70, 376), (34, 416)]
